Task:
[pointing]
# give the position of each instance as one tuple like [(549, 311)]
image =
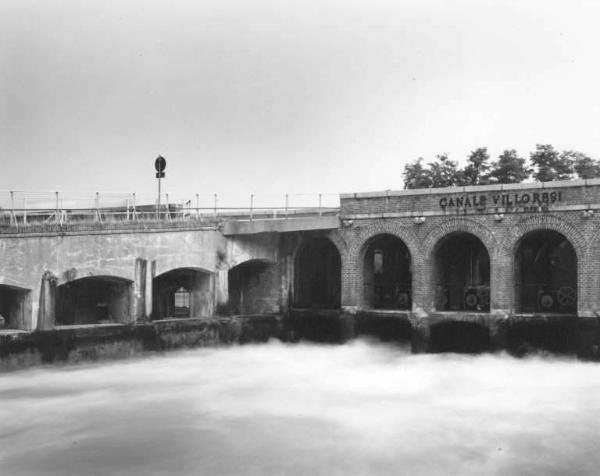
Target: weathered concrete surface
[(281, 225), (39, 264), (73, 344)]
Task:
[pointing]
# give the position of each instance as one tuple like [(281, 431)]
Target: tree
[(477, 168), (509, 168), (416, 175), (444, 172), (550, 165), (584, 166)]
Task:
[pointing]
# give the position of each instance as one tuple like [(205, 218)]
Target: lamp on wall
[(419, 220), (587, 213), (499, 216)]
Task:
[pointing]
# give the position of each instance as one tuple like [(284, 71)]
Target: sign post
[(159, 164)]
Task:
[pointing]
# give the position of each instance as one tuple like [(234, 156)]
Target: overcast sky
[(283, 96)]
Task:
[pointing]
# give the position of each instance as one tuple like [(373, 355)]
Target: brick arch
[(434, 237), (359, 241), (546, 222), (541, 223), (339, 242), (459, 225)]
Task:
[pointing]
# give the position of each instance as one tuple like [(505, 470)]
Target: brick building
[(484, 254)]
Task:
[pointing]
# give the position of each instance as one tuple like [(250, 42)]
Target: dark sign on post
[(160, 164)]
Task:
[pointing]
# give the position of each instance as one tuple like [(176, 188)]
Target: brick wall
[(500, 229)]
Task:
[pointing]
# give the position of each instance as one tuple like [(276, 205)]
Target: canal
[(362, 408)]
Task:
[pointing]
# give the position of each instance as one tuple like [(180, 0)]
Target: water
[(361, 408)]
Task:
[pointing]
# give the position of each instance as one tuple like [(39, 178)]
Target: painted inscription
[(530, 201)]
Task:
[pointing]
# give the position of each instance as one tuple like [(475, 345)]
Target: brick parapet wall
[(472, 200)]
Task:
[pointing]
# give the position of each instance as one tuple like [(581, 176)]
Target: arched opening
[(387, 273), (181, 292), (318, 275), (462, 274), (15, 306), (93, 300), (546, 273), (253, 288)]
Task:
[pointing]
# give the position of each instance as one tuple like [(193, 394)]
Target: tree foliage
[(416, 175), (550, 164), (444, 171), (509, 168), (477, 170), (584, 166), (547, 164)]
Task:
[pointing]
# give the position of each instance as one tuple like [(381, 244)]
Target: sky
[(285, 96)]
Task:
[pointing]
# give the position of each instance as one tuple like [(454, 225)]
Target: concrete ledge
[(280, 225)]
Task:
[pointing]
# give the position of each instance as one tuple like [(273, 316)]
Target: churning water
[(361, 408)]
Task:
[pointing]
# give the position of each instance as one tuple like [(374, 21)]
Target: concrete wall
[(39, 264)]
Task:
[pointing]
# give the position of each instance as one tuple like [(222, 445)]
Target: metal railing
[(40, 212)]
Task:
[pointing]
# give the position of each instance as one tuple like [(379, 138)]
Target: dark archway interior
[(462, 274), (558, 337), (318, 275), (253, 288), (461, 337), (386, 328), (15, 304), (93, 300), (387, 277), (181, 292), (546, 274)]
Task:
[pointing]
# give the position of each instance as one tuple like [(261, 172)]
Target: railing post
[(197, 206), (215, 206), (24, 210), (251, 206), (287, 204), (320, 204), (134, 211), (57, 209), (13, 218), (167, 207), (97, 204)]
